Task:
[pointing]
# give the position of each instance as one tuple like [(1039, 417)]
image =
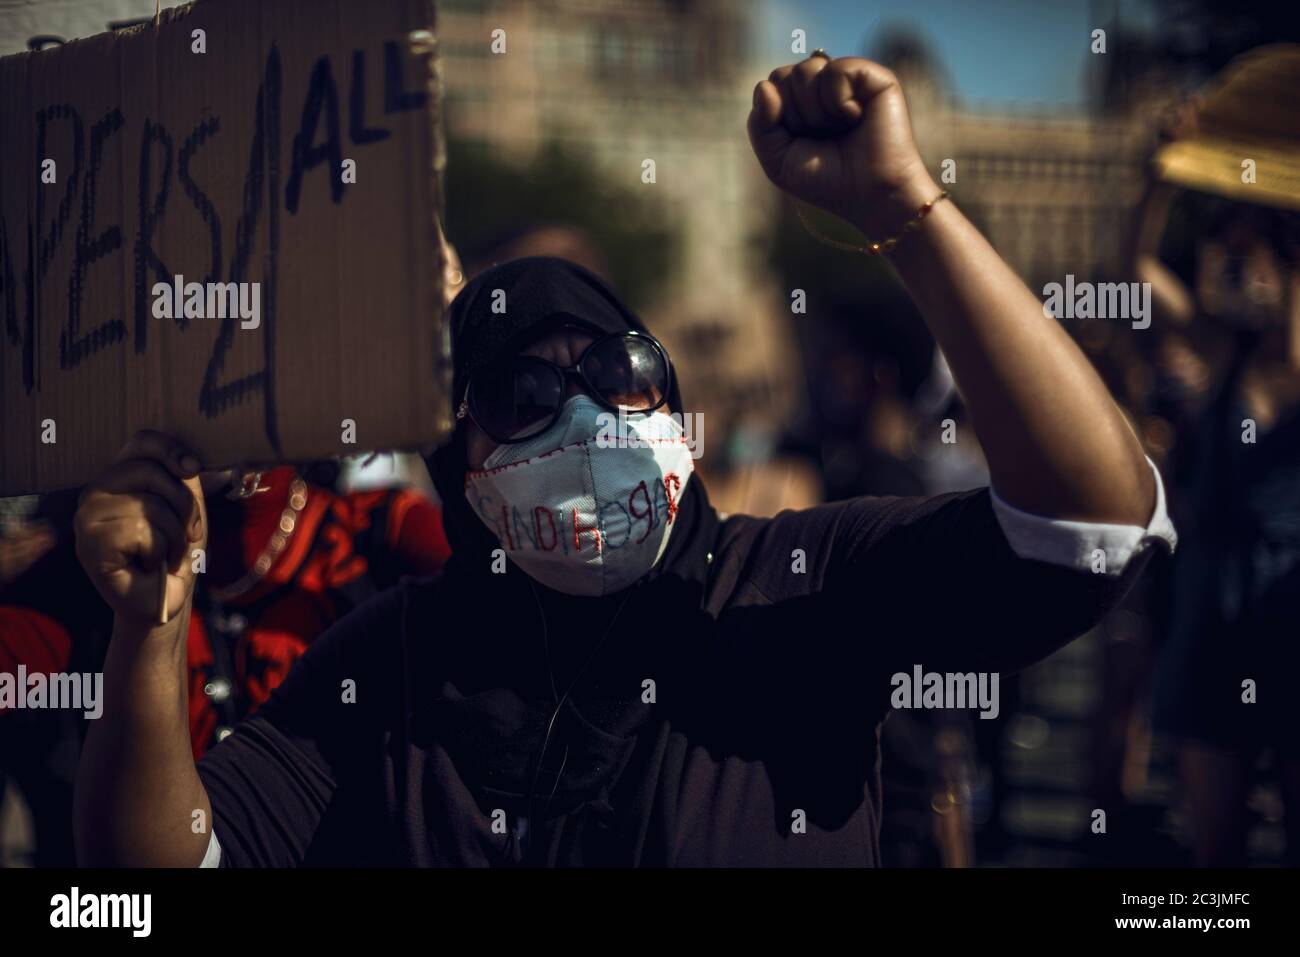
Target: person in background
[(284, 563), (1223, 686), (46, 601)]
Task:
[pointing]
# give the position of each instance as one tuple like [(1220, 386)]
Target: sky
[(1030, 52)]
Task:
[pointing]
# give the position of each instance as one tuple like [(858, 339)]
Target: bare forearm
[(1056, 443), (836, 133), (137, 789)]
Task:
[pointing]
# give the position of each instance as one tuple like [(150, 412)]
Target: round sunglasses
[(521, 396)]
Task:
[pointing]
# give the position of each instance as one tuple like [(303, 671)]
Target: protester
[(1234, 599), (606, 672), (51, 621)]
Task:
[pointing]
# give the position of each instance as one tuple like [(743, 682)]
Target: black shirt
[(731, 718)]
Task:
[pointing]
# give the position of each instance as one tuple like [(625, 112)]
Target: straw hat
[(1251, 112)]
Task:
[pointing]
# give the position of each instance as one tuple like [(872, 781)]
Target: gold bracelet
[(872, 249)]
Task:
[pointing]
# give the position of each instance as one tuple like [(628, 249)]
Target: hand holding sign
[(141, 516)]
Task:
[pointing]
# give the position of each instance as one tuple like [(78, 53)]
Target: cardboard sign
[(223, 225)]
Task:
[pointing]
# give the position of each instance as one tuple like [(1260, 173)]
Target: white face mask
[(580, 508)]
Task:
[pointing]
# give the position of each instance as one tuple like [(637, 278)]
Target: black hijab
[(508, 648), (540, 292)]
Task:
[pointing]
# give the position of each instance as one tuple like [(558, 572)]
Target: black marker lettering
[(87, 251), (49, 243), (321, 93), (395, 99), (357, 130), (200, 199), (145, 257), (263, 172)]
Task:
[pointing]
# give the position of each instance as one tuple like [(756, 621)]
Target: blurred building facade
[(620, 83), (1054, 193), (623, 81)]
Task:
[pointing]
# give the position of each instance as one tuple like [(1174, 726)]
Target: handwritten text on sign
[(157, 213)]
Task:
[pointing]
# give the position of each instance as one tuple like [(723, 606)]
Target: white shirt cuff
[(212, 858), (1084, 546)]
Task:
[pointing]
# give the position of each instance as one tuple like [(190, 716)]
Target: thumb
[(179, 582), (196, 528)]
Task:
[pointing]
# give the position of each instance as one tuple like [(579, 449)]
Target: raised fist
[(835, 133)]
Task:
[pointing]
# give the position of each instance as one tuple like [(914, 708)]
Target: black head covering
[(540, 293), (497, 646)]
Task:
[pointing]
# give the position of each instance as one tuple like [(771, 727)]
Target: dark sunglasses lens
[(628, 371), (515, 399)]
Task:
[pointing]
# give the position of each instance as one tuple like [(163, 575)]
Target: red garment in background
[(344, 548), (33, 639)]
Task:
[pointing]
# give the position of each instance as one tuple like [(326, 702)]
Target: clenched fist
[(835, 133), (144, 513)]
